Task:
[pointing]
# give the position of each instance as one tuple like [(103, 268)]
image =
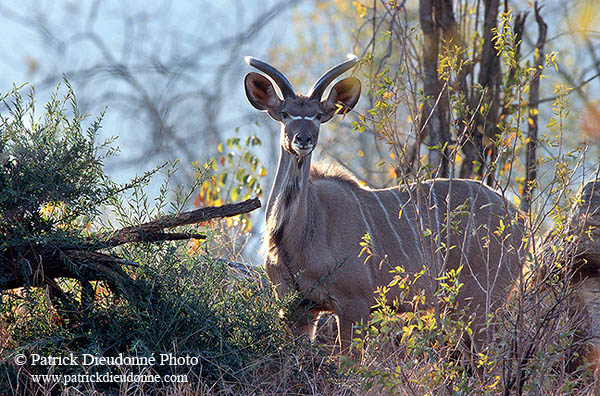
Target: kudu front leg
[(345, 333), (346, 321), (303, 319)]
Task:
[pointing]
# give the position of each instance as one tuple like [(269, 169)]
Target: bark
[(505, 111), (534, 96), (434, 116), (484, 130), (38, 265)]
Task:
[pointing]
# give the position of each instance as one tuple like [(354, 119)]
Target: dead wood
[(152, 231), (37, 265)]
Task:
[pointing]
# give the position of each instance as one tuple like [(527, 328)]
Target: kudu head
[(301, 116)]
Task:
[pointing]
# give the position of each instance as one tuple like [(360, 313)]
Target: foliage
[(51, 178), (424, 355), (420, 351), (187, 301), (233, 175), (183, 304), (236, 173)]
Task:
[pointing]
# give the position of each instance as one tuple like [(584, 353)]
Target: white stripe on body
[(387, 217), (437, 217), (436, 252), (469, 221), (362, 213), (410, 224), (487, 193)]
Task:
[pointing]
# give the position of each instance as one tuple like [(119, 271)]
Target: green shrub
[(51, 173), (181, 301)]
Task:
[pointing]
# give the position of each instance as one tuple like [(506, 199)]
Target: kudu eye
[(284, 114)]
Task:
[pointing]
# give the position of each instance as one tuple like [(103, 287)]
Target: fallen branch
[(40, 265), (84, 262), (152, 231)]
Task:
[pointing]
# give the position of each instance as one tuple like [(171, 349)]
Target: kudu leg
[(304, 320), (346, 321), (345, 333)]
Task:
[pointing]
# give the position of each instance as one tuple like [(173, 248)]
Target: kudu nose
[(302, 140)]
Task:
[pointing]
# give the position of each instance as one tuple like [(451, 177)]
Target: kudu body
[(316, 219)]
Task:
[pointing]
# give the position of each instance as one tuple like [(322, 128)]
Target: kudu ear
[(342, 98), (261, 94)]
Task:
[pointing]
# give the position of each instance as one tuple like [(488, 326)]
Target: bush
[(51, 177), (181, 301)]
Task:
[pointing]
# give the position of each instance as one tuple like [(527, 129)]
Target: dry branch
[(152, 231), (37, 265)]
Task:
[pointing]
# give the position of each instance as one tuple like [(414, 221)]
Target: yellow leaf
[(193, 246), (231, 221), (247, 225), (360, 9), (361, 153)]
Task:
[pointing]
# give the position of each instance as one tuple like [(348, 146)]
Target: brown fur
[(332, 171), (316, 219), (314, 245)]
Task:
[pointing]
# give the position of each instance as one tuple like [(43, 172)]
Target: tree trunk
[(484, 130), (532, 121), (434, 115)]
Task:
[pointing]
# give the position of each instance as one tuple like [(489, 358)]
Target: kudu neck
[(290, 187)]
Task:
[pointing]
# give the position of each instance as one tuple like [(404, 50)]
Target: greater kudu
[(316, 218)]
